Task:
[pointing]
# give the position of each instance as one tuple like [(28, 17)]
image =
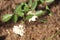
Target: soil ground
[(34, 30)]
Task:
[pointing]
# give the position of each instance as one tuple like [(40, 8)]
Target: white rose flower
[(19, 30)]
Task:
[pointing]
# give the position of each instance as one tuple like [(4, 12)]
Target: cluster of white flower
[(19, 30)]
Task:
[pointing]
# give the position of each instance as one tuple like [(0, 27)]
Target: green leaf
[(49, 1), (18, 8), (47, 8), (40, 13), (29, 16), (34, 4), (6, 17), (30, 3), (26, 8), (20, 14), (42, 1), (50, 14), (15, 18)]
